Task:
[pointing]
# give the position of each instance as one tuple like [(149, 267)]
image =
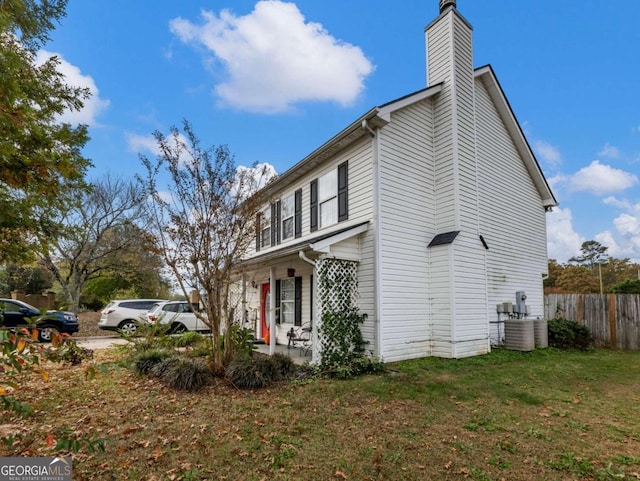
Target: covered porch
[(280, 291), (298, 354)]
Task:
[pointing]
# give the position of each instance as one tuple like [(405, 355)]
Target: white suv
[(178, 314), (125, 315)]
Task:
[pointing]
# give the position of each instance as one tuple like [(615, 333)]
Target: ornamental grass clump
[(186, 374), (188, 338), (249, 372), (258, 371), (283, 366), (145, 361)]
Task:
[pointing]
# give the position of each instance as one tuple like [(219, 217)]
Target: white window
[(265, 227), (288, 210), (328, 198), (287, 301)]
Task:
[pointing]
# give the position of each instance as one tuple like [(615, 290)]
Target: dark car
[(15, 313)]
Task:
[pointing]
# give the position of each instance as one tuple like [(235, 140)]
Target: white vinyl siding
[(360, 187), (406, 211), (517, 257), (359, 156)]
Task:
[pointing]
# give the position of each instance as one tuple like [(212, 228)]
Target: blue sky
[(274, 80)]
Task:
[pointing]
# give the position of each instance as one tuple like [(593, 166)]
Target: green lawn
[(544, 415)]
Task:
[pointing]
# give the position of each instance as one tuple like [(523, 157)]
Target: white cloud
[(93, 106), (548, 153), (562, 241), (628, 236), (601, 179), (142, 143), (627, 225), (619, 203), (606, 239), (557, 181), (610, 151), (147, 144), (275, 59), (252, 178)]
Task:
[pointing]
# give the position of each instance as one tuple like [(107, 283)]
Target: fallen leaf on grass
[(340, 474), (157, 454)]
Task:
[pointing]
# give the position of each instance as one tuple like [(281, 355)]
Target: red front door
[(265, 300)]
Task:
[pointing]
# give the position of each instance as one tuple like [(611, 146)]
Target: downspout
[(365, 126), (377, 243), (303, 256)]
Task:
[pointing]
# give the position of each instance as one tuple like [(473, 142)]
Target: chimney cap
[(447, 3)]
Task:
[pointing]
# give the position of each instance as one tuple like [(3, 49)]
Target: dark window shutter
[(258, 233), (314, 205), (343, 192), (278, 221), (278, 304), (311, 299), (273, 224), (298, 213), (298, 302)]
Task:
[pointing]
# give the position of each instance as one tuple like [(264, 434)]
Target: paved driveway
[(101, 342)]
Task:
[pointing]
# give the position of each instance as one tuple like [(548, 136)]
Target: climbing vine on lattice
[(340, 337)]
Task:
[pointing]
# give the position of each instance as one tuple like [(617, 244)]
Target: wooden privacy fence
[(614, 319)]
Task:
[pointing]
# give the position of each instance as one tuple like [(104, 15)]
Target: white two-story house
[(434, 201)]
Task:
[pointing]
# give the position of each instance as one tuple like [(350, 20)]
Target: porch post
[(272, 311), (317, 320), (244, 300)]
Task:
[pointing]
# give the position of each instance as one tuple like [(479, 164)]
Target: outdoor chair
[(300, 337)]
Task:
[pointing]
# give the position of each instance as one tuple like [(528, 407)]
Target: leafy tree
[(617, 270), (96, 231), (41, 163), (550, 283), (30, 279), (593, 253), (583, 279), (204, 224), (628, 286), (577, 280), (136, 269)]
